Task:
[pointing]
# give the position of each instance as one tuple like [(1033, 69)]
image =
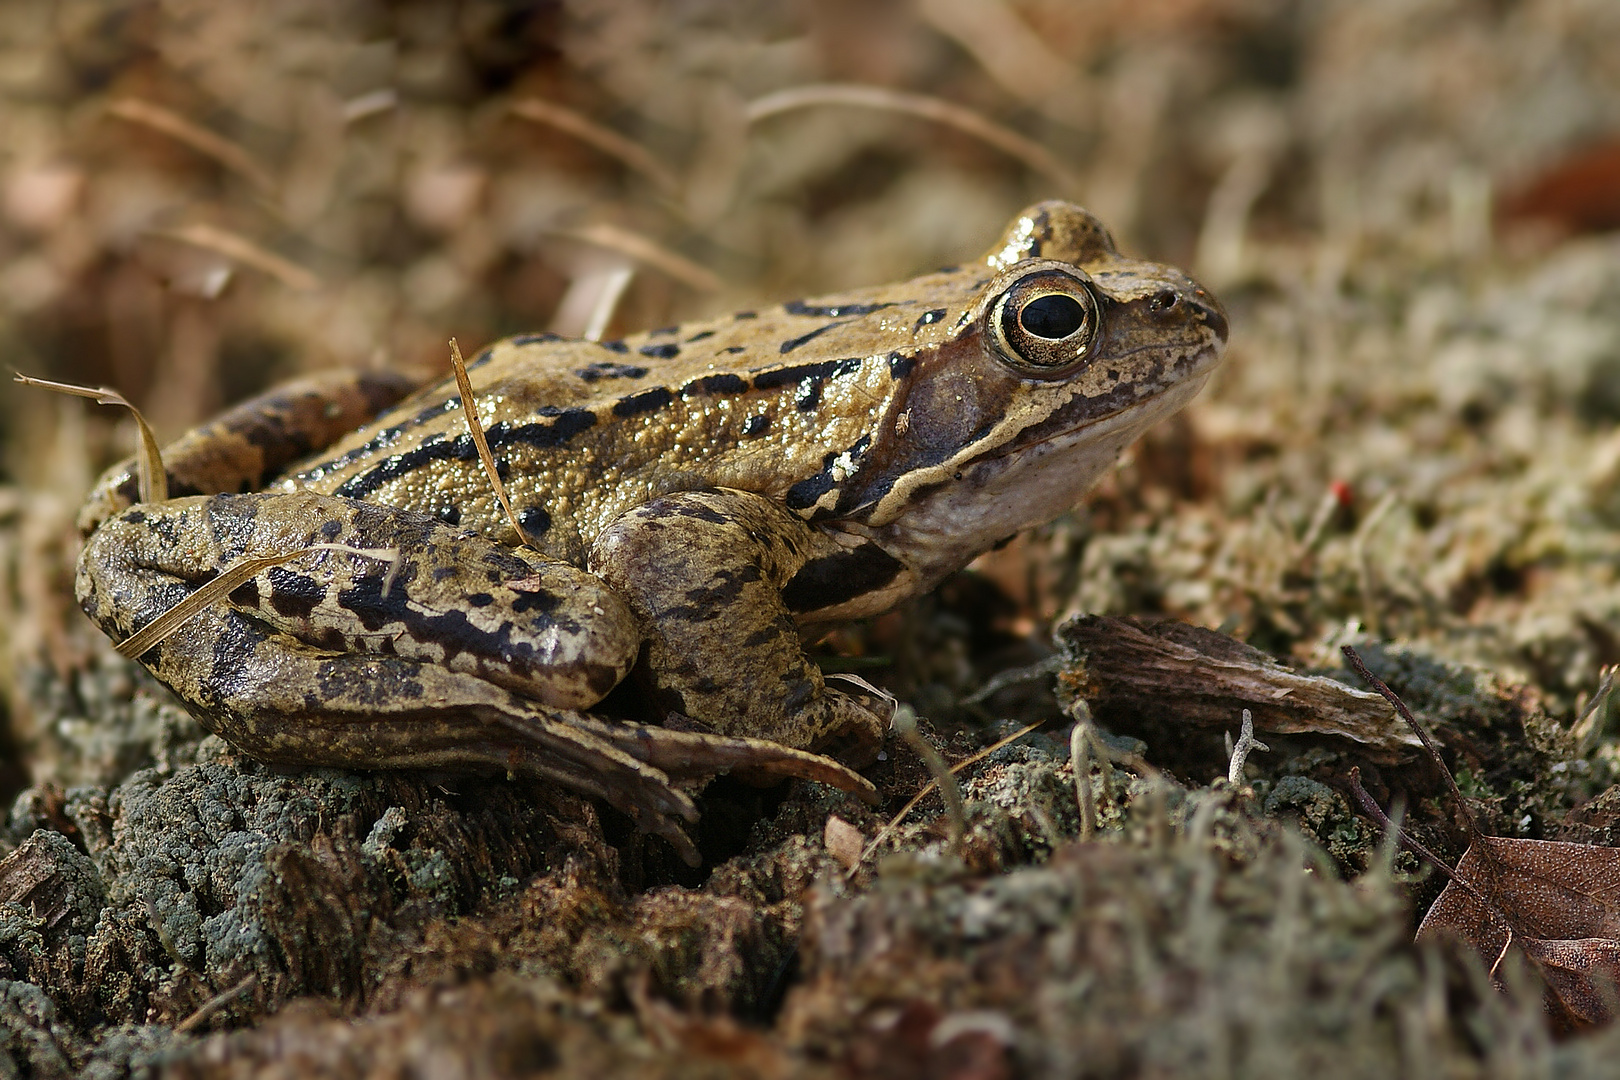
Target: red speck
[(1341, 492)]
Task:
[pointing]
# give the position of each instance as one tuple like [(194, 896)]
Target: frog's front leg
[(706, 571), (452, 652)]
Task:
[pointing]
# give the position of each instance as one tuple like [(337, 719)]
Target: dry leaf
[(843, 842), (1557, 904)]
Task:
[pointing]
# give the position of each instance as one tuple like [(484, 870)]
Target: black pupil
[(1053, 316)]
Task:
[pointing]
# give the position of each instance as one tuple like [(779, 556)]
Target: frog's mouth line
[(1194, 367), (996, 493)]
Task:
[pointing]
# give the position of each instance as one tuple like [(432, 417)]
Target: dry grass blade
[(610, 142), (856, 95), (153, 479), (469, 409), (966, 762), (241, 249), (164, 626), (643, 250), (200, 139), (214, 1004)]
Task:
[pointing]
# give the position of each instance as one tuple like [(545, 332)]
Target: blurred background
[(1405, 205)]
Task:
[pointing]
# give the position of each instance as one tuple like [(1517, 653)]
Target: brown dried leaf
[(1556, 903)]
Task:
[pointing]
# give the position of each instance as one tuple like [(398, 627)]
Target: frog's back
[(776, 402)]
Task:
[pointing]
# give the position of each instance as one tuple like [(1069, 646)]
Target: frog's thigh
[(540, 627), (704, 570)]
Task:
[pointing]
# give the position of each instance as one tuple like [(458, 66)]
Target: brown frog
[(700, 500)]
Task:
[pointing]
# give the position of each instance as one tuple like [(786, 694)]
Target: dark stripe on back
[(832, 311), (563, 427), (793, 343), (789, 376)]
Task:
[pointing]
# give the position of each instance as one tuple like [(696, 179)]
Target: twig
[(905, 724), (1012, 677), (216, 1003), (643, 250), (894, 822), (1429, 744), (242, 250), (1240, 752), (605, 139), (1031, 153), (1080, 762), (200, 139)]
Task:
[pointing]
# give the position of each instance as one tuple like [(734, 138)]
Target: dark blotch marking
[(534, 519), (615, 346), (745, 315), (480, 599), (663, 330), (535, 339), (805, 493), (840, 577), (607, 370), (928, 318), (646, 401), (700, 337), (716, 384), (756, 426), (736, 348), (450, 515), (293, 595), (246, 595), (666, 351), (900, 365)]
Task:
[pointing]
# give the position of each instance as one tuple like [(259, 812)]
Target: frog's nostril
[(1163, 301)]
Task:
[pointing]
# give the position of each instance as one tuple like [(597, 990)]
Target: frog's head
[(1062, 358)]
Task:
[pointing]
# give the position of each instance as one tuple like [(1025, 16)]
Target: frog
[(687, 510)]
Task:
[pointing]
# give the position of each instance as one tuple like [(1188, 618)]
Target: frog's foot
[(691, 756)]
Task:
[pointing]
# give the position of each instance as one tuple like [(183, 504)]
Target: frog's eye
[(1046, 320)]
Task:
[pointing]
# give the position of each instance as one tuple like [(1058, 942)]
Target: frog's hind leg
[(248, 444), (281, 701), (387, 639)]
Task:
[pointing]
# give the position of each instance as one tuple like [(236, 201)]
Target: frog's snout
[(1209, 311)]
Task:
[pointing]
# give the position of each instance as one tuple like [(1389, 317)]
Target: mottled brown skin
[(703, 498)]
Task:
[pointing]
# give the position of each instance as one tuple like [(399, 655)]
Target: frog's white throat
[(1000, 496)]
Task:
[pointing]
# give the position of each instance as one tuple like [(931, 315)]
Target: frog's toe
[(699, 756), (858, 716)]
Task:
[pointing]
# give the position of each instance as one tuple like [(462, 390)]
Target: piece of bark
[(1204, 678), (54, 880)]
